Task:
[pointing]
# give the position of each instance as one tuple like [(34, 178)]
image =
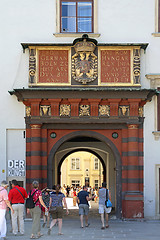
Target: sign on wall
[(16, 168)]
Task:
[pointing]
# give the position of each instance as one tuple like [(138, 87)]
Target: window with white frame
[(76, 16), (75, 183), (96, 164), (75, 163)]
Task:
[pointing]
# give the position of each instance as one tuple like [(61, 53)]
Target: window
[(75, 183), (96, 183), (76, 16), (96, 164), (75, 164)]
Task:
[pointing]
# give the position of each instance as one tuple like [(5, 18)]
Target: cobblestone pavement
[(118, 229)]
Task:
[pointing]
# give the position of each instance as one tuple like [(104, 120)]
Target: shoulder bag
[(108, 202)]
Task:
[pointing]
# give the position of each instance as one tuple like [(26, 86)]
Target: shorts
[(83, 209), (58, 213), (103, 208)]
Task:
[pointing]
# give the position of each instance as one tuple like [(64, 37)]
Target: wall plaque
[(53, 66), (115, 66)]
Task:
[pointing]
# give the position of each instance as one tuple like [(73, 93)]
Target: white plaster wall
[(151, 159), (35, 21)]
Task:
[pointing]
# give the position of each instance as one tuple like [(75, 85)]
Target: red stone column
[(28, 157), (35, 107), (114, 104), (74, 107), (94, 107), (134, 107), (133, 198), (44, 145), (54, 107), (35, 154)]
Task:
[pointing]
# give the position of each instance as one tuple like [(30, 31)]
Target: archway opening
[(92, 143)]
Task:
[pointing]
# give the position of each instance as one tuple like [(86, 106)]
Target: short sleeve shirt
[(46, 199), (3, 197), (102, 196), (36, 196), (82, 197), (57, 199)]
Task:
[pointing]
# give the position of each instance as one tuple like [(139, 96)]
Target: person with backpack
[(17, 196), (35, 211)]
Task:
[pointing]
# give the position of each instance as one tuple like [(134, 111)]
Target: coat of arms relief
[(84, 61)]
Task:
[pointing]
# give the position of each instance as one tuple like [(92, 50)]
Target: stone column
[(133, 198)]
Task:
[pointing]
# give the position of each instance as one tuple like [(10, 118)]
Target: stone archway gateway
[(86, 90), (108, 146)]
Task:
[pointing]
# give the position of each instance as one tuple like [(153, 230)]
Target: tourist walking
[(102, 207), (82, 200), (17, 196), (36, 211), (57, 199), (4, 202), (46, 200)]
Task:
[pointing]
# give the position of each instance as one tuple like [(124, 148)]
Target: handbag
[(107, 202)]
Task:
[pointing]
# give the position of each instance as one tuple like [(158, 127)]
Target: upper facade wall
[(39, 22)]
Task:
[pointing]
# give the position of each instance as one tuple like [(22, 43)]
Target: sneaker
[(43, 225), (49, 231)]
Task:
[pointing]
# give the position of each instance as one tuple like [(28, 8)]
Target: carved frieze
[(45, 110), (84, 110), (140, 111), (124, 111), (32, 65), (65, 110), (28, 111), (136, 66), (104, 110)]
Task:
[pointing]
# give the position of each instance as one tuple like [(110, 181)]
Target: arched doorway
[(89, 141)]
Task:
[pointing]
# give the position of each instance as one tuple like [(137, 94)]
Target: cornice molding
[(156, 135), (154, 80)]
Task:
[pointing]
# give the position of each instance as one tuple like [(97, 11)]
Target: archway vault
[(99, 137)]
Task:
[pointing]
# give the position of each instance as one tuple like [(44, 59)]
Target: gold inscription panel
[(53, 66), (115, 66)]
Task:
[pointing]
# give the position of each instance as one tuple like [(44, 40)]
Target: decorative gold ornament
[(84, 62), (65, 110), (84, 110), (104, 110), (28, 111), (136, 66), (45, 110), (32, 65), (140, 111), (124, 110)]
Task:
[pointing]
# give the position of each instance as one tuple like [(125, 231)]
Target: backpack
[(29, 201)]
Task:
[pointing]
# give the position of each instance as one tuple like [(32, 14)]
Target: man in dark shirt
[(16, 196), (82, 200)]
